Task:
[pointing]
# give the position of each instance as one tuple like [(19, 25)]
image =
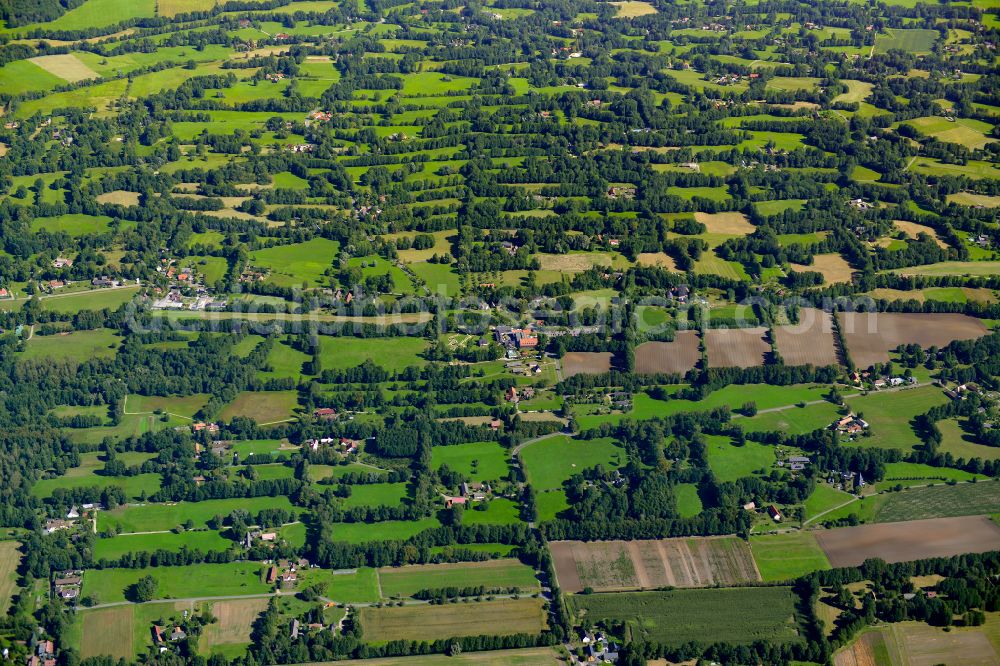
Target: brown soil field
[(870, 336), (910, 540), (65, 66), (586, 363), (661, 259), (678, 356), (833, 267), (235, 621), (424, 622), (3, 149), (862, 651), (725, 223), (912, 229), (736, 347), (572, 263), (923, 645), (107, 631), (810, 342), (121, 197), (609, 566)]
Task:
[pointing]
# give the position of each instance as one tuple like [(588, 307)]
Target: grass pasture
[(963, 131), (699, 616), (633, 8), (500, 617), (480, 461), (491, 574), (916, 41), (788, 555), (393, 354), (77, 346), (115, 547), (196, 580), (10, 559), (297, 264), (158, 517), (551, 461)]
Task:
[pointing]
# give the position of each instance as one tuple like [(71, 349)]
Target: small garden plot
[(736, 347), (834, 268), (699, 616), (78, 346), (480, 461), (491, 574), (606, 566), (298, 264), (116, 547), (196, 580), (262, 406), (586, 363), (730, 462), (677, 356), (911, 540), (551, 461), (787, 555), (809, 342), (426, 622), (870, 336), (393, 354)]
